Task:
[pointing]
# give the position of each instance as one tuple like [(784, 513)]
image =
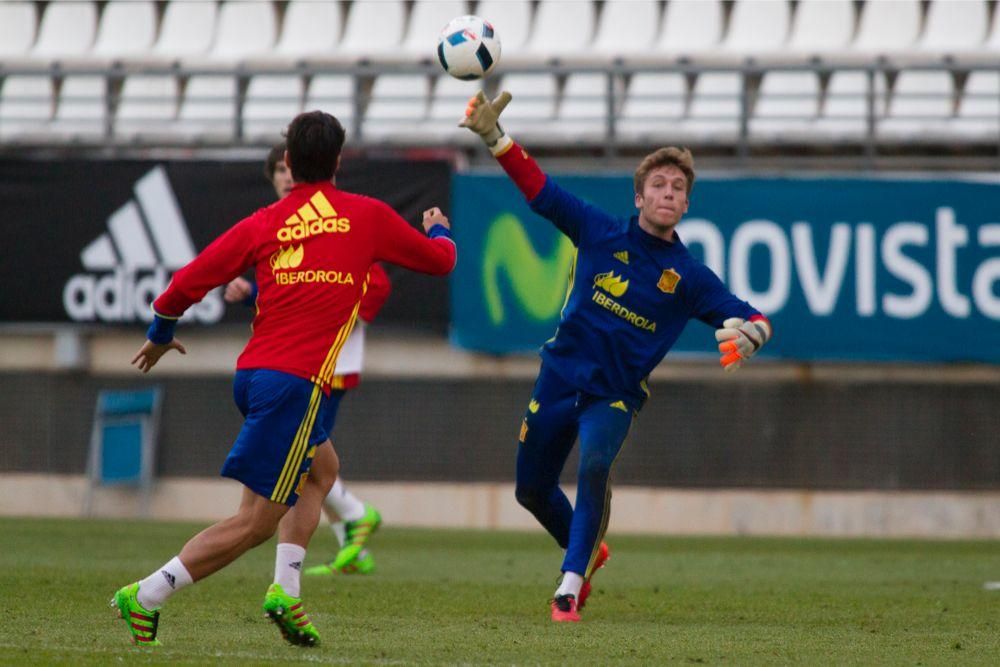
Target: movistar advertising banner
[(848, 269), (94, 241)]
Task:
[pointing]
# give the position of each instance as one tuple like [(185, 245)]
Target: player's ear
[(638, 200), (287, 161)]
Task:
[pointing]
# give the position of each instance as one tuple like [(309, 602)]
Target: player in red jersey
[(311, 252), (352, 520)]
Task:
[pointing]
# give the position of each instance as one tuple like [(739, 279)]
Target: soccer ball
[(468, 48)]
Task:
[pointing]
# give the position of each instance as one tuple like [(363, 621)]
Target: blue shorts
[(329, 412), (284, 422)]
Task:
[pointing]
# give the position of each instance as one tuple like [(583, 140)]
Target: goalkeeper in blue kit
[(632, 289)]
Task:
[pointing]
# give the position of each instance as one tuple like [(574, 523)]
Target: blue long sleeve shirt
[(630, 296)]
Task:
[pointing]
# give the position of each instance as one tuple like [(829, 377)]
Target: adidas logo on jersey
[(622, 256), (314, 217), (126, 267)]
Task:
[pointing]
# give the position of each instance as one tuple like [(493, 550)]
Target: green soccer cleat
[(288, 614), (363, 564), (356, 534), (142, 623)]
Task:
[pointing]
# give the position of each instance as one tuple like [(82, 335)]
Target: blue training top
[(630, 296)]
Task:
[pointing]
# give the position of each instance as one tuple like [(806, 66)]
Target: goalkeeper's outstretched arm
[(572, 215)]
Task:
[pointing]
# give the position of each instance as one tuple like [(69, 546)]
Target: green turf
[(480, 597)]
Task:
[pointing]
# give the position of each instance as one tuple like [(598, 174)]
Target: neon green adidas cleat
[(356, 534), (287, 613), (363, 564), (142, 623)]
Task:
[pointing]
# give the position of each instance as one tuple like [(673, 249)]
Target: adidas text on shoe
[(142, 624), (564, 609), (603, 555), (288, 614)]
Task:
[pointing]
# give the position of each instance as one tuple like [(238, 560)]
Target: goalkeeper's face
[(663, 199)]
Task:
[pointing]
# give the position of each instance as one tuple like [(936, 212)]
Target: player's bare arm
[(150, 353), (237, 290)]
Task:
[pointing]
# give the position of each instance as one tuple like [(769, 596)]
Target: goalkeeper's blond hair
[(661, 157)]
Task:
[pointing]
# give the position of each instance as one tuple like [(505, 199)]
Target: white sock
[(162, 583), (288, 567), (571, 585), (339, 531), (344, 503)]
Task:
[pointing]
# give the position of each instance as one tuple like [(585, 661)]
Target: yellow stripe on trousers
[(298, 449), (606, 514)]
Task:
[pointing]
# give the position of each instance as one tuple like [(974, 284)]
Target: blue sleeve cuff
[(251, 299), (161, 331), (439, 230)]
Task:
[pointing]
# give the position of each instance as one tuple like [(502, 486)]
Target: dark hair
[(314, 140), (276, 155)]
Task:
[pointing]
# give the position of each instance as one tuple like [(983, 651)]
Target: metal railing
[(232, 118)]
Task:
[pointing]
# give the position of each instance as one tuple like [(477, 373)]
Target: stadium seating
[(126, 29), (18, 23), (636, 20), (427, 19), (757, 26), (271, 101), (397, 106), (680, 68), (310, 29), (67, 30), (920, 106), (187, 30), (148, 107), (447, 104), (822, 27), (360, 41), (978, 114)]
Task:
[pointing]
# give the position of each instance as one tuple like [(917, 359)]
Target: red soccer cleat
[(603, 554), (564, 609)]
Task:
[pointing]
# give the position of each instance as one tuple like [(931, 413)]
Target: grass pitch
[(447, 597)]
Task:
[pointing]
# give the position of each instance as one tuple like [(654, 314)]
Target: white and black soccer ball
[(468, 48)]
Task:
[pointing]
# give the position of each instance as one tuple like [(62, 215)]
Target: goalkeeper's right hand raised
[(482, 116)]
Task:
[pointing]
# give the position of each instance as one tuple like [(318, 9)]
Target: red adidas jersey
[(312, 252)]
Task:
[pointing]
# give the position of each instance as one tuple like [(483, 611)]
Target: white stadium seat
[(822, 26), (716, 107), (26, 103), (67, 29), (787, 106), (18, 26), (334, 94), (690, 28), (362, 39), (512, 20), (427, 19), (148, 106), (757, 26), (844, 114), (583, 111), (397, 107), (562, 29), (187, 30), (272, 100), (447, 106), (993, 41), (531, 113), (208, 108), (128, 28), (887, 26), (954, 26), (81, 110), (978, 115), (920, 106), (245, 29), (311, 29), (627, 28), (654, 105)]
